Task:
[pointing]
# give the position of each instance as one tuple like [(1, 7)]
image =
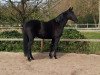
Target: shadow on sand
[(45, 55)]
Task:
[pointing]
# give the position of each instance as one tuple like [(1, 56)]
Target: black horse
[(52, 29)]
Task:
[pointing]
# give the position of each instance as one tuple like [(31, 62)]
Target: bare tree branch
[(22, 11), (12, 4)]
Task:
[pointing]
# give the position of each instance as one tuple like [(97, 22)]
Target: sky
[(7, 0), (3, 1), (13, 0)]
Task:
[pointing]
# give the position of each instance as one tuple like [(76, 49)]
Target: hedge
[(16, 46)]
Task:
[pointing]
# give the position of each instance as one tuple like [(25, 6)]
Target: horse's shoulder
[(33, 20)]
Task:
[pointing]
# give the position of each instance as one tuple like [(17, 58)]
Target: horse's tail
[(25, 43)]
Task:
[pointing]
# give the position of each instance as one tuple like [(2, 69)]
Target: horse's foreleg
[(56, 41), (51, 50), (54, 45)]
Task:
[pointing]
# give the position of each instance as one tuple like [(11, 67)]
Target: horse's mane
[(59, 18)]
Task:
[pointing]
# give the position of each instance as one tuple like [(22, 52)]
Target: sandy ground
[(66, 64)]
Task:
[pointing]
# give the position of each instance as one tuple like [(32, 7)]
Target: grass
[(91, 35), (94, 46)]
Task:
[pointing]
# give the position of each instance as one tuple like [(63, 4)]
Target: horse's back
[(39, 28), (32, 23)]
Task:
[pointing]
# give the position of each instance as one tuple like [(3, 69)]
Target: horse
[(51, 29)]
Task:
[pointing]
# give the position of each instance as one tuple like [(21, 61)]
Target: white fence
[(68, 26), (42, 40), (20, 39), (83, 26), (71, 26), (76, 26)]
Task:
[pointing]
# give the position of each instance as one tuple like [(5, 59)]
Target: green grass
[(91, 35), (94, 46)]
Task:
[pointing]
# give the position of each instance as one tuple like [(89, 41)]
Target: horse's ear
[(59, 18), (70, 9)]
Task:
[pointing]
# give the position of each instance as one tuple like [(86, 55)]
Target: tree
[(25, 8), (85, 8), (99, 14)]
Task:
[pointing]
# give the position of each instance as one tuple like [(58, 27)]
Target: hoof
[(32, 58), (55, 57), (29, 59), (50, 56)]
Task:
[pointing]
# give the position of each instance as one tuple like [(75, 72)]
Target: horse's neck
[(65, 22), (62, 23), (61, 19)]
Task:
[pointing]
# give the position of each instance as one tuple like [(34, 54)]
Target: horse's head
[(70, 15)]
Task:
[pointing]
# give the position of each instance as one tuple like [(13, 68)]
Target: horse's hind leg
[(25, 43), (29, 54), (30, 57)]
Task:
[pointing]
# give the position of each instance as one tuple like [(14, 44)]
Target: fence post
[(76, 26), (99, 15), (42, 44), (87, 25)]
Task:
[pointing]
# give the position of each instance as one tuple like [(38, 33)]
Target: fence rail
[(71, 25), (42, 41), (79, 29), (20, 39), (85, 25)]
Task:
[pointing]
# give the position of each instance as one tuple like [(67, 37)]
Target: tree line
[(15, 13)]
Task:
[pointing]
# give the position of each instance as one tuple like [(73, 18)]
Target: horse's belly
[(44, 36)]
